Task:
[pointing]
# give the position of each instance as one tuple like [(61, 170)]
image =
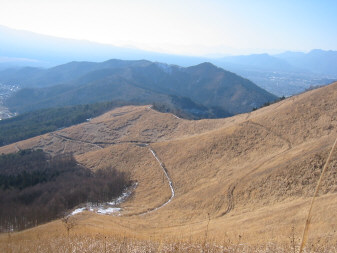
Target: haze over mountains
[(32, 49), (282, 74), (287, 73), (247, 175), (316, 61), (194, 89)]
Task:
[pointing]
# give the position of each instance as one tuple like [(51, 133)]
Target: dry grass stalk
[(206, 232), (307, 223)]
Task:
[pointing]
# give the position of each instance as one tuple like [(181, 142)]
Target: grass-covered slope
[(31, 124), (247, 180)]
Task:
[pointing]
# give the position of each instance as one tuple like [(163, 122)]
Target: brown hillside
[(253, 174)]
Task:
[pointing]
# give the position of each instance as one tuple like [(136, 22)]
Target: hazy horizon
[(195, 28), (209, 55)]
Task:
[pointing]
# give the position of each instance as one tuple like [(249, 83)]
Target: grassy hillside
[(243, 182), (31, 124)]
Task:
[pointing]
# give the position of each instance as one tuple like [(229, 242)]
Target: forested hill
[(136, 81), (35, 123), (36, 188)]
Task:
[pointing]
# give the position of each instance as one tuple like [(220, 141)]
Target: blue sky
[(199, 27)]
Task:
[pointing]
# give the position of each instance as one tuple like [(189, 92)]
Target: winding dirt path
[(166, 174), (169, 181), (141, 144)]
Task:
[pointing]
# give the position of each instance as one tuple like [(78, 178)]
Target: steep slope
[(204, 83), (250, 175), (224, 89)]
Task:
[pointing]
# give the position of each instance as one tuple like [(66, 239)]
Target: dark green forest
[(39, 122), (36, 188)]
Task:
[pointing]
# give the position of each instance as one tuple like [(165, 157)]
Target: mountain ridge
[(317, 60), (277, 74), (139, 81)]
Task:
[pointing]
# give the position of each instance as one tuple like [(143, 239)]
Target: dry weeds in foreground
[(102, 243), (307, 223)]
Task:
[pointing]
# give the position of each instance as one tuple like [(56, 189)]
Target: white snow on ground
[(108, 207), (100, 209), (78, 210), (167, 176), (170, 184), (108, 210), (120, 199), (111, 208)]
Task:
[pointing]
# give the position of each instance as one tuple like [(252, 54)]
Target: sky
[(198, 27)]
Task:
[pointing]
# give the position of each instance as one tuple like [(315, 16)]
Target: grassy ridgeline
[(35, 123)]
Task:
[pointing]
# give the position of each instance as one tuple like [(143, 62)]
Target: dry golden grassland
[(242, 184)]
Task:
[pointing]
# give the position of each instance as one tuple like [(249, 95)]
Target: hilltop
[(250, 175)]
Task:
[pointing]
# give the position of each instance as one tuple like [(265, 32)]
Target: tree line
[(36, 188)]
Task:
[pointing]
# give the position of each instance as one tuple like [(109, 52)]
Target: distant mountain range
[(285, 74), (256, 62), (25, 48), (195, 89), (316, 61)]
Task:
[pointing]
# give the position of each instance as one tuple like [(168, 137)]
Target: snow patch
[(169, 181), (108, 210), (78, 210), (175, 116), (107, 207)]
